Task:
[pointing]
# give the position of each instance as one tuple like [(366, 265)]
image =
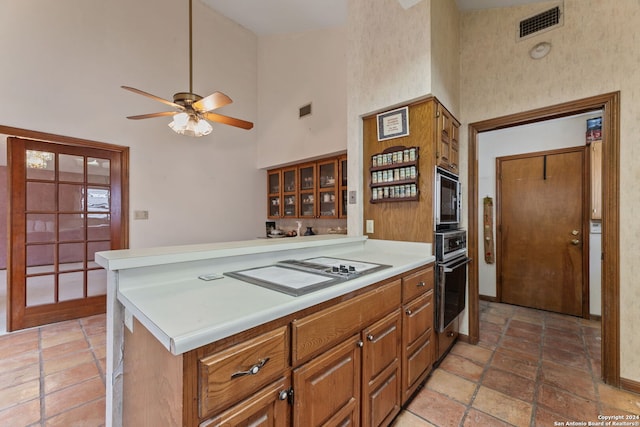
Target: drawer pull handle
[(420, 284), (252, 370)]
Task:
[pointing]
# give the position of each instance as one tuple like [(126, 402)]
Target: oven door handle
[(448, 268)]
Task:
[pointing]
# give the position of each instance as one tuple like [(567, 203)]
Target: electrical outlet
[(370, 226)]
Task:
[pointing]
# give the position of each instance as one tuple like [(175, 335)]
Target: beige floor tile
[(437, 408), (19, 393), (476, 418), (66, 362), (73, 396), (503, 407), (24, 414), (71, 376), (19, 376), (64, 349), (462, 367), (452, 386), (475, 353), (88, 415), (407, 419)]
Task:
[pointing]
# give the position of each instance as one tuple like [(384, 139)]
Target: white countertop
[(160, 286)]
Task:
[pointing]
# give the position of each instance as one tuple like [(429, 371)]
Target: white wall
[(542, 136), (294, 70), (388, 64), (62, 66), (594, 52)]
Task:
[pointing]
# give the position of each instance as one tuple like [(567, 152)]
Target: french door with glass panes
[(65, 205)]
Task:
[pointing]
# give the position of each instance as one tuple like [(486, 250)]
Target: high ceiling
[(264, 17)]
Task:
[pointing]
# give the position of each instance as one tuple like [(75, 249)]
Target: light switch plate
[(140, 214), (369, 226), (352, 197)]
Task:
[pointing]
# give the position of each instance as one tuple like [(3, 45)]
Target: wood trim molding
[(630, 385), (610, 105)]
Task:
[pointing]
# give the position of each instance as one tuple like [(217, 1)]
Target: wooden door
[(541, 231), (327, 389), (381, 371), (65, 205)]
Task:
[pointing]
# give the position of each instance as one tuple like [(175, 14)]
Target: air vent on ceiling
[(305, 110), (540, 22)]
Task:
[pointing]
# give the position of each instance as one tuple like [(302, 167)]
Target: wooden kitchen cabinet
[(447, 130), (235, 373), (381, 371), (324, 387), (417, 329), (308, 190), (267, 407), (327, 388), (352, 362)]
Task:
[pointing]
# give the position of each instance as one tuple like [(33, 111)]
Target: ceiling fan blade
[(228, 120), (148, 95), (152, 115), (211, 102)]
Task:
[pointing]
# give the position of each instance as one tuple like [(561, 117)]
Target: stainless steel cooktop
[(299, 277)]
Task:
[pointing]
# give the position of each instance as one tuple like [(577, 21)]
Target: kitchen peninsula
[(188, 351)]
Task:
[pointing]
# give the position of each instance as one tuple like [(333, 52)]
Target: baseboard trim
[(488, 298), (630, 385)]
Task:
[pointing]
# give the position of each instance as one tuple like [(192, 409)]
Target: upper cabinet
[(309, 190), (447, 150), (432, 131)]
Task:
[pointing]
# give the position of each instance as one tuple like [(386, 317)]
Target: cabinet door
[(453, 148), (268, 407), (274, 179), (417, 333), (443, 137), (289, 193), (328, 197), (327, 389), (381, 371), (307, 193)]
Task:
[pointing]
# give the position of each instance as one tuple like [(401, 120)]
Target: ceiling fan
[(193, 111)]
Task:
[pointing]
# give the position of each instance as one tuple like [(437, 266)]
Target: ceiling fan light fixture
[(190, 125)]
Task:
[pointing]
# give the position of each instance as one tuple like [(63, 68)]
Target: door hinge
[(291, 399)]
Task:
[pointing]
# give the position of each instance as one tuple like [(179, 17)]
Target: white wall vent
[(305, 110), (540, 22)]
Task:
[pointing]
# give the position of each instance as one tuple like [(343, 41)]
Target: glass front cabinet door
[(327, 190), (289, 195), (306, 181), (274, 179)]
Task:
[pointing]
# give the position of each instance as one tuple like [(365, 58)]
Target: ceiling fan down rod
[(190, 46)]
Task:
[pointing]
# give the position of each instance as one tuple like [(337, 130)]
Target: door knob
[(575, 242)]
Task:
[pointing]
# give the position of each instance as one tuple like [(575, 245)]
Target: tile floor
[(54, 375), (531, 368)]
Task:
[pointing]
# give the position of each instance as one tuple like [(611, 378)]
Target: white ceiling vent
[(541, 22)]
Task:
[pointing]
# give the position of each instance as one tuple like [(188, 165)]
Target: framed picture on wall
[(393, 124)]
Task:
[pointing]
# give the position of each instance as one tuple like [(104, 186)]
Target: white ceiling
[(264, 17)]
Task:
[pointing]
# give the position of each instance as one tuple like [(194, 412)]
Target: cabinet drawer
[(231, 375), (319, 331), (417, 283)]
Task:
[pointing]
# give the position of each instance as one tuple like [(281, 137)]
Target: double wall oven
[(450, 251)]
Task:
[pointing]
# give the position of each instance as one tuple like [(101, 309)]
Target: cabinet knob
[(420, 284), (370, 337), (408, 312), (283, 395), (450, 334), (252, 370), (360, 344)]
